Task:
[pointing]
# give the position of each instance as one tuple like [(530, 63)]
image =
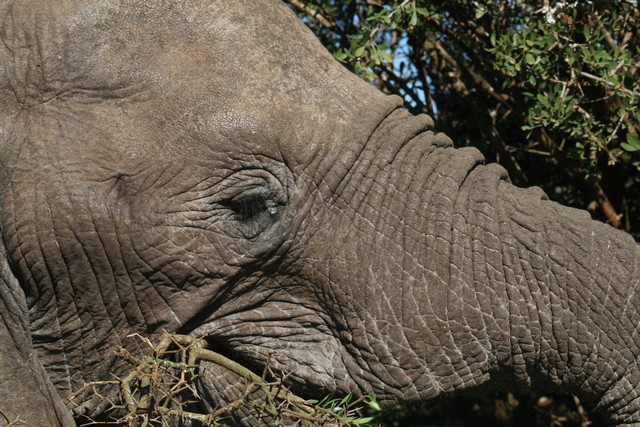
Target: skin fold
[(207, 168)]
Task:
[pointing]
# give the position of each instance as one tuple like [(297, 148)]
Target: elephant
[(206, 167)]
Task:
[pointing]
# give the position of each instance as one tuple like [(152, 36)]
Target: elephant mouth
[(248, 385), (269, 365), (310, 366), (288, 344)]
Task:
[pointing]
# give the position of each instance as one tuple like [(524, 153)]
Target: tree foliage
[(548, 89)]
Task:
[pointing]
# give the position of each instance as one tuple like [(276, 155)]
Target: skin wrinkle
[(244, 311), (13, 74), (558, 334), (90, 325), (478, 292), (583, 297), (535, 283), (343, 324), (54, 304), (109, 312), (482, 249), (460, 370), (385, 126), (391, 363), (145, 285), (146, 309), (449, 318), (40, 63), (35, 72), (44, 341), (353, 350), (167, 306), (138, 312), (376, 227), (69, 202), (25, 251), (116, 267), (525, 264), (548, 345)]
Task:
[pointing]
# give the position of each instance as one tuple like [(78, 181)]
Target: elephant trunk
[(564, 287), (458, 280), (516, 291)]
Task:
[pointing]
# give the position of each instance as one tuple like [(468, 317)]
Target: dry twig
[(161, 386)]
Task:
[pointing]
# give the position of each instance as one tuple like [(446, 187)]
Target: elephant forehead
[(225, 67)]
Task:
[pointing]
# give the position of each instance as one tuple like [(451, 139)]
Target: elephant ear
[(26, 393)]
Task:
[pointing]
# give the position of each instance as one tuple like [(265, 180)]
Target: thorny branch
[(162, 385)]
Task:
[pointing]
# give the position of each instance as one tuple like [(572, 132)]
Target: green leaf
[(543, 100), (384, 55), (628, 147), (359, 51), (632, 144), (373, 403), (362, 420), (414, 19), (493, 39), (340, 55), (529, 58), (345, 399), (558, 103), (325, 400)]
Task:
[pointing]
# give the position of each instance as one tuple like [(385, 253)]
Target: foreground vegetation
[(162, 386)]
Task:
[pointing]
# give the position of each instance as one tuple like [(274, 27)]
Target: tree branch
[(477, 78), (606, 82), (315, 14)]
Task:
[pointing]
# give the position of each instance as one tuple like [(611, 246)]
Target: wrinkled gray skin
[(206, 167)]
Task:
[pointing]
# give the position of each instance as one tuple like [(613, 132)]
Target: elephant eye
[(253, 212), (251, 206)]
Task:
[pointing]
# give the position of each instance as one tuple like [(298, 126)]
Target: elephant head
[(206, 167)]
